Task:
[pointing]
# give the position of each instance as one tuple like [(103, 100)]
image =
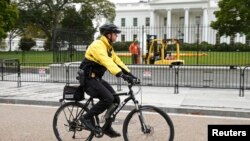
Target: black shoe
[(88, 123), (111, 133)]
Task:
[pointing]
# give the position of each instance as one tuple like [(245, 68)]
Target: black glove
[(127, 78), (135, 79), (130, 74)]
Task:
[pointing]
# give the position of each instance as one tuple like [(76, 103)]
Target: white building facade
[(188, 20)]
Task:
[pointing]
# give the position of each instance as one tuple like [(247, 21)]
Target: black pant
[(134, 58), (102, 90)]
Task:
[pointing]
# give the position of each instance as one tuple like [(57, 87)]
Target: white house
[(188, 20)]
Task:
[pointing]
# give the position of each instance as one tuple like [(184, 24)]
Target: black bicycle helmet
[(109, 28)]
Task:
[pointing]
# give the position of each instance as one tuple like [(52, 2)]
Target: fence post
[(119, 83), (67, 74), (198, 40), (242, 77), (241, 83), (2, 69), (142, 46), (18, 73), (176, 79)]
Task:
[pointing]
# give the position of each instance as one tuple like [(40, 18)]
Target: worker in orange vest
[(134, 49)]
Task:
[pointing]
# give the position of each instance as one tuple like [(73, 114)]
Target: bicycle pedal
[(99, 133), (98, 129)]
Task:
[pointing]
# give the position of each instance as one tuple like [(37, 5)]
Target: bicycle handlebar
[(134, 81)]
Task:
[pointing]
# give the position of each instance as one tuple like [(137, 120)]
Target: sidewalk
[(202, 101)]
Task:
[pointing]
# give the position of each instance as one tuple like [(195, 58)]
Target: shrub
[(26, 43), (121, 46), (240, 47)]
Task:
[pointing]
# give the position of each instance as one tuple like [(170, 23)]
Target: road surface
[(34, 123)]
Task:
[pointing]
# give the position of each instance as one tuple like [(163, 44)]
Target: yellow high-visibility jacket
[(102, 53)]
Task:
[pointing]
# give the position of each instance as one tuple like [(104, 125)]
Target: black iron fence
[(210, 61), (11, 69), (199, 45)]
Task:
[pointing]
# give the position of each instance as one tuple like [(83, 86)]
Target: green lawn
[(219, 58), (29, 56), (212, 58)]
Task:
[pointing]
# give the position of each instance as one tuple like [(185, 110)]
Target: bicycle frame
[(124, 102), (118, 109), (80, 108), (120, 106)]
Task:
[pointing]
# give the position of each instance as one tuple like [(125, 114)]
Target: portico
[(188, 20)]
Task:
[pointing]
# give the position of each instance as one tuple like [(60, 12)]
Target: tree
[(78, 25), (48, 14), (8, 17), (233, 17), (17, 30)]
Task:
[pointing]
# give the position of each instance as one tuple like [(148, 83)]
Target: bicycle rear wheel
[(66, 123), (158, 125)]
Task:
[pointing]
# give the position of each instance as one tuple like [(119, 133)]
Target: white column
[(186, 25), (169, 26), (205, 25)]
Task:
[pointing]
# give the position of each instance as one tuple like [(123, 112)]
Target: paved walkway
[(207, 101)]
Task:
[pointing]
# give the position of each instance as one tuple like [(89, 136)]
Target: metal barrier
[(11, 66), (173, 76), (244, 81), (230, 77)]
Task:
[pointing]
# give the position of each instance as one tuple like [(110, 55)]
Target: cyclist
[(100, 57)]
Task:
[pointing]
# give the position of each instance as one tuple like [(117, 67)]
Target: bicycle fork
[(144, 127)]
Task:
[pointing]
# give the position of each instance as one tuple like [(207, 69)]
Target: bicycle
[(144, 122)]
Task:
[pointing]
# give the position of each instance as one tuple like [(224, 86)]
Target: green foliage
[(49, 15), (8, 17), (121, 46), (233, 17), (76, 27), (26, 43)]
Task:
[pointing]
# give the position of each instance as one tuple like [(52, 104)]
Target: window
[(147, 21), (123, 22), (181, 21), (165, 36), (165, 21), (122, 37), (198, 20), (135, 22)]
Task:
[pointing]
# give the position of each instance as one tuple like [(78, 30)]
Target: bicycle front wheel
[(149, 123), (66, 123)]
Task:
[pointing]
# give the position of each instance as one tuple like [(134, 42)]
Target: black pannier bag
[(75, 93)]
